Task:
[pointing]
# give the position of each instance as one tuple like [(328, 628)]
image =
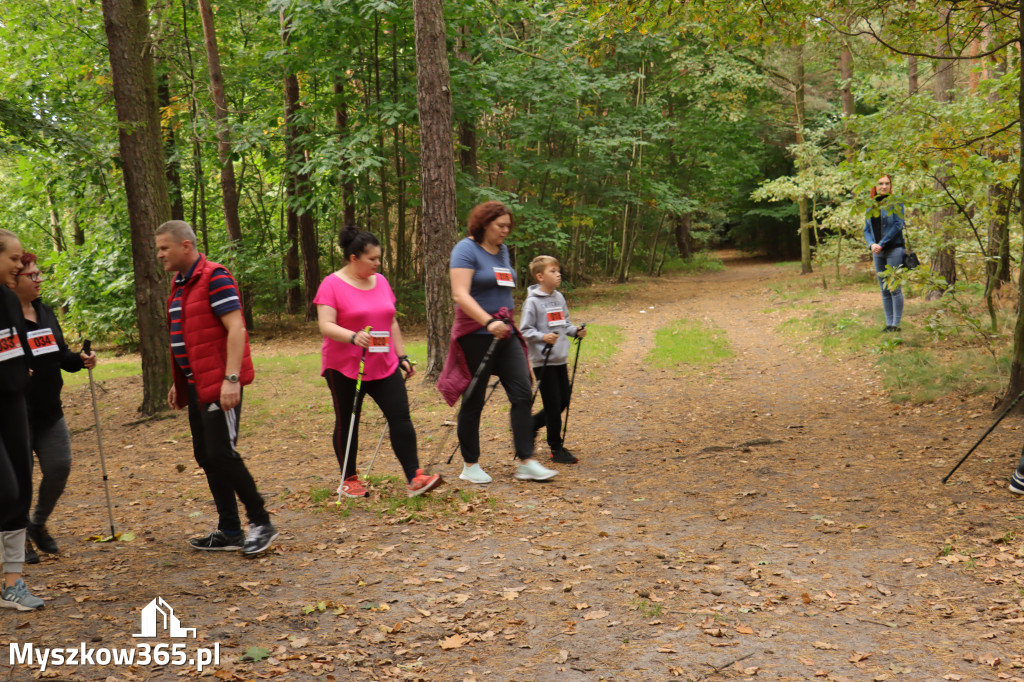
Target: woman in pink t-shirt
[(348, 302)]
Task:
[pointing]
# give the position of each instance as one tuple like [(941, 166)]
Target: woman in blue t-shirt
[(483, 281)]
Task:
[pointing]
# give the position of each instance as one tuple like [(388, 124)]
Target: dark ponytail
[(353, 241)]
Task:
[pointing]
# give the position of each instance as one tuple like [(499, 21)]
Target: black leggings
[(393, 401), (509, 363), (15, 463), (554, 392)]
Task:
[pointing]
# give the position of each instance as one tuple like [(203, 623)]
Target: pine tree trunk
[(170, 152), (799, 114), (467, 126), (126, 23), (913, 84), (944, 259), (220, 113), (397, 136), (437, 175), (56, 232), (849, 107), (348, 186), (684, 242), (301, 222), (228, 187)]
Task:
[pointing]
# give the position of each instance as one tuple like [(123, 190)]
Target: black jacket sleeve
[(70, 361)]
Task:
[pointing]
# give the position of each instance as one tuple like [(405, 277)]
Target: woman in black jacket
[(15, 452), (51, 441)]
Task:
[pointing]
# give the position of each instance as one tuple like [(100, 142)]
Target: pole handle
[(87, 347)]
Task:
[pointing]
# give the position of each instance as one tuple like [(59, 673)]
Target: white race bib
[(380, 342), (556, 317), (10, 344), (42, 341), (504, 277)]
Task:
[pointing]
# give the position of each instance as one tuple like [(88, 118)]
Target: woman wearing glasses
[(48, 355)]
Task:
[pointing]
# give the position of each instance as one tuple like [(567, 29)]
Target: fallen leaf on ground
[(454, 642)]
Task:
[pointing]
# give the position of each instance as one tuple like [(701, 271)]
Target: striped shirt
[(223, 300)]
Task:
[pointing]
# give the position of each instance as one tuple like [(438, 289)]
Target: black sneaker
[(31, 555), (219, 541), (259, 539), (44, 541), (563, 456)]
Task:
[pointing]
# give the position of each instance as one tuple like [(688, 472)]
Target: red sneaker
[(351, 487), (422, 483)]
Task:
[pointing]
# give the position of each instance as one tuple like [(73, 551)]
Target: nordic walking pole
[(543, 370), (352, 418), (379, 441), (376, 450), (984, 436), (473, 382), (490, 392), (572, 384), (87, 349)]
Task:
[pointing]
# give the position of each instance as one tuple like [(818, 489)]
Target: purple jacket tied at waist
[(456, 377)]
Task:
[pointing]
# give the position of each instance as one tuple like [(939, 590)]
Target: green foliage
[(96, 286)]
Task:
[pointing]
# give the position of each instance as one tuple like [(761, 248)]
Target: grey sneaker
[(18, 597), (259, 539)]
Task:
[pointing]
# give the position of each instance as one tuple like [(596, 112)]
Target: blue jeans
[(892, 301)]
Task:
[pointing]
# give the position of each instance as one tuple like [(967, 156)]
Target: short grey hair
[(178, 229)]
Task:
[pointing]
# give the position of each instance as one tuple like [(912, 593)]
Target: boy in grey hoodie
[(545, 326)]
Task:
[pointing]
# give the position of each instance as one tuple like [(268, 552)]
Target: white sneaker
[(532, 470), (474, 474)]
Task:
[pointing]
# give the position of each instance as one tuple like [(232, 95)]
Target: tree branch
[(925, 55), (968, 143)]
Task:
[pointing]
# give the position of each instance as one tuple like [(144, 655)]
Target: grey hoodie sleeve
[(528, 322), (570, 328)]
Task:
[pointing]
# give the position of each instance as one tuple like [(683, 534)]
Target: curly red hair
[(483, 215)]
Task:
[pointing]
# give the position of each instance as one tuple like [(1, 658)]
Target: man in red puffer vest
[(211, 362)]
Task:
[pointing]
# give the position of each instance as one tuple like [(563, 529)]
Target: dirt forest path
[(771, 516)]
